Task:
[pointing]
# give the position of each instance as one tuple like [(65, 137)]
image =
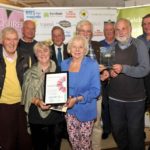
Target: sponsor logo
[(68, 34), (65, 23), (46, 24), (98, 33), (83, 14), (55, 14), (32, 14), (70, 14)]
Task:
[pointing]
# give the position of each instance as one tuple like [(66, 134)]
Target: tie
[(59, 56)]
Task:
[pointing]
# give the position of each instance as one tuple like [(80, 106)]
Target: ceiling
[(66, 3)]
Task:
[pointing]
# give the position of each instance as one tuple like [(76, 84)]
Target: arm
[(93, 89), (143, 58), (139, 71)]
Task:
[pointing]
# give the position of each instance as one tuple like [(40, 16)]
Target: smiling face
[(10, 42), (85, 29), (123, 30), (58, 36), (43, 54), (28, 30), (109, 31), (77, 47)]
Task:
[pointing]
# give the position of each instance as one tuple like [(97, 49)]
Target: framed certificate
[(56, 88)]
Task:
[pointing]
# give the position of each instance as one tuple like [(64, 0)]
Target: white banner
[(68, 18)]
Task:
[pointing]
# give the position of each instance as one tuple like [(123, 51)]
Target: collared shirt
[(10, 59), (91, 53), (62, 50)]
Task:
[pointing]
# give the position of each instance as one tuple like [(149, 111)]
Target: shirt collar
[(6, 55)]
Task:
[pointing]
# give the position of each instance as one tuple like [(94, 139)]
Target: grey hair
[(82, 23), (8, 30), (42, 45), (78, 38)]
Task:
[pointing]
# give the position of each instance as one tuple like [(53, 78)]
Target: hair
[(27, 21), (146, 16), (124, 20), (82, 23), (42, 45), (78, 38), (57, 28), (8, 30)]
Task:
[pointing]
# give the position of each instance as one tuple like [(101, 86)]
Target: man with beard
[(127, 92)]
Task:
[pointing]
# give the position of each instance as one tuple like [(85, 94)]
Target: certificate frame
[(56, 89)]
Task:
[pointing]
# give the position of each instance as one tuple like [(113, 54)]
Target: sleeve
[(94, 88), (27, 91), (143, 68)]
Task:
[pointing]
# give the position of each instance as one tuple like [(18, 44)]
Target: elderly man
[(13, 64), (59, 49), (127, 92), (85, 28), (107, 43), (27, 42)]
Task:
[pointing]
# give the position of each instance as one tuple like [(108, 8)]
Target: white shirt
[(62, 50)]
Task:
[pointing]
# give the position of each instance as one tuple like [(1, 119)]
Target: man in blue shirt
[(107, 43)]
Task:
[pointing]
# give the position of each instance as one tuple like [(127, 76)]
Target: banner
[(67, 18), (12, 17), (134, 14)]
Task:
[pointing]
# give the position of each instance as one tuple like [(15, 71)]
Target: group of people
[(121, 89)]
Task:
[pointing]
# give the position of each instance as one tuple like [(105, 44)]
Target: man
[(145, 37), (13, 130), (27, 42), (127, 92), (107, 43), (59, 49), (59, 53), (85, 28)]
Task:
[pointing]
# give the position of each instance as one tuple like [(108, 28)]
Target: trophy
[(107, 56)]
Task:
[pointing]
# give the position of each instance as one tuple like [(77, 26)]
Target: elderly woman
[(84, 88), (45, 124)]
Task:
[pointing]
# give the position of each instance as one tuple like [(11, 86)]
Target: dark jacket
[(54, 57), (21, 66)]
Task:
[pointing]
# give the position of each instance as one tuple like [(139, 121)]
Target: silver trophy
[(107, 56)]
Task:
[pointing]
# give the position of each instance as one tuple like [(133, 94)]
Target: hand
[(117, 68), (113, 74), (105, 75), (39, 103), (71, 102)]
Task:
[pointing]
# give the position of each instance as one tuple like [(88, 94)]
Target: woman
[(84, 88), (46, 125)]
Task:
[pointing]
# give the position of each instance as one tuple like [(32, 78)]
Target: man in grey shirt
[(127, 91)]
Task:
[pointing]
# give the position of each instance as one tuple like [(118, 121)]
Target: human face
[(58, 37), (109, 31), (10, 42), (77, 49), (86, 31), (43, 55), (29, 31), (122, 31), (146, 25)]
